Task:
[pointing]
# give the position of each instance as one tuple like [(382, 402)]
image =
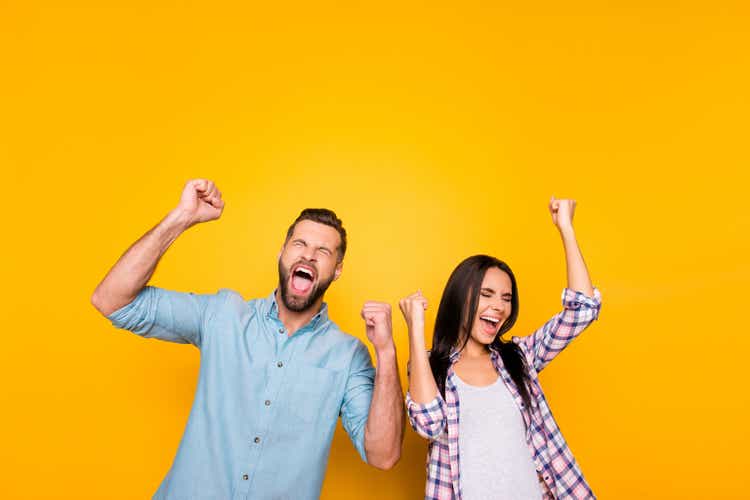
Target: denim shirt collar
[(320, 319)]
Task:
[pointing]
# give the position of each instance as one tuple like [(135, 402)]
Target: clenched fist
[(562, 212), (200, 201), (413, 308), (377, 316)]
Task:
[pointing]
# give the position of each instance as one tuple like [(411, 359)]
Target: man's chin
[(297, 303)]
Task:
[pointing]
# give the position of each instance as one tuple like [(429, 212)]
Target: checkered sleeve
[(429, 420), (579, 311)]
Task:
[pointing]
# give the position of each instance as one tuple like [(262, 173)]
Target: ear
[(338, 271)]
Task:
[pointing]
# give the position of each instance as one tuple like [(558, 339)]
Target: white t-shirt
[(494, 459)]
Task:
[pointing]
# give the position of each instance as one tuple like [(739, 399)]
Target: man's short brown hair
[(322, 216)]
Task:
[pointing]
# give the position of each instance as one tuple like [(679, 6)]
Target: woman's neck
[(475, 350)]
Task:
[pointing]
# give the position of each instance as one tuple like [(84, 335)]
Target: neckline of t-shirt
[(476, 387)]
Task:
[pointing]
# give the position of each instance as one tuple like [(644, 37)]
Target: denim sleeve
[(164, 315), (360, 384)]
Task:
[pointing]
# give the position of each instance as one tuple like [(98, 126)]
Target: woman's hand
[(562, 213), (422, 385), (413, 308), (562, 216)]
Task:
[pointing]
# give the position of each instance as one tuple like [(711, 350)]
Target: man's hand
[(377, 316), (384, 430), (562, 213), (413, 308), (200, 202)]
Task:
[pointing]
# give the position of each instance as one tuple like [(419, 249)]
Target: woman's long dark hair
[(456, 315)]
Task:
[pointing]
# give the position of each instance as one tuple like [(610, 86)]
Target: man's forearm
[(134, 269), (384, 431)]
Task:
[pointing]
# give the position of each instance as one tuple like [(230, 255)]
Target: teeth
[(305, 271), (488, 318)]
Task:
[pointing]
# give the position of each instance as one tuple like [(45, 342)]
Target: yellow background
[(436, 131)]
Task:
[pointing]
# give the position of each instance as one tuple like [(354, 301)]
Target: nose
[(499, 305), (309, 254)]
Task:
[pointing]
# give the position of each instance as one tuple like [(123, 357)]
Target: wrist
[(415, 327), (416, 333), (386, 351), (566, 231), (178, 219)]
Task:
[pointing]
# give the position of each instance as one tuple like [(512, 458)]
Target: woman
[(477, 398)]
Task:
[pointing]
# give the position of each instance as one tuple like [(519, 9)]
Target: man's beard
[(300, 304)]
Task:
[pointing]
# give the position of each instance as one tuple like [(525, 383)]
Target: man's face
[(308, 263)]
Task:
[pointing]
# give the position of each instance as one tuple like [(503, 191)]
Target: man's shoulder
[(231, 301), (229, 296), (345, 342), (336, 334)]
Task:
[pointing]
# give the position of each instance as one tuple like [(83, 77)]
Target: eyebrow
[(300, 240), (490, 290)]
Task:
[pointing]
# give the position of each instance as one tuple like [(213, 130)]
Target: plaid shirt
[(559, 474)]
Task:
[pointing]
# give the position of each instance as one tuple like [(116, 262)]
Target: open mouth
[(302, 280), (489, 324)]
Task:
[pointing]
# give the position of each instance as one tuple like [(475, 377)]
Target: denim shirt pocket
[(314, 393)]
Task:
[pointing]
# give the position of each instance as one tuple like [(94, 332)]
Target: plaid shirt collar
[(455, 354)]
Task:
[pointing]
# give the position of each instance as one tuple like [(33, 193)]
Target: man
[(275, 373)]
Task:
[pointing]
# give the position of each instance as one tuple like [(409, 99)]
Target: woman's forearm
[(578, 274), (422, 386)]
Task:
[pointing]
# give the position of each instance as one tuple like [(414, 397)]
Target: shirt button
[(279, 364), (268, 402), (281, 330), (256, 440), (245, 477)]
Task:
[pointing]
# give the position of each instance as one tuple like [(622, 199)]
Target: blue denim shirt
[(266, 404)]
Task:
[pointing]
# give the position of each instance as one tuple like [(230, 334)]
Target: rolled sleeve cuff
[(133, 315), (434, 406), (427, 419), (572, 299)]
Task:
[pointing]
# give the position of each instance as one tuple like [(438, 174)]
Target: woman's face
[(494, 306)]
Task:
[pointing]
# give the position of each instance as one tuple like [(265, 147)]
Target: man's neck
[(293, 320)]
